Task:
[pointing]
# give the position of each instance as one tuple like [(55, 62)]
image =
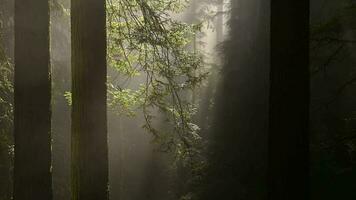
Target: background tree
[(32, 113), (237, 154), (61, 111)]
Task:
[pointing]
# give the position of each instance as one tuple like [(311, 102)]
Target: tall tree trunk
[(32, 114), (289, 100), (89, 119), (220, 22), (61, 111)]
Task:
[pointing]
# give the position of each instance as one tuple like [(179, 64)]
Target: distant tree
[(32, 113), (259, 148), (61, 111), (89, 120), (237, 154)]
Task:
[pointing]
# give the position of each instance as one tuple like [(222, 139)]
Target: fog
[(189, 100), (138, 168)]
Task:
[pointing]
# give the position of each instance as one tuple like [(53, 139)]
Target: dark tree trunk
[(32, 114), (89, 119), (289, 100)]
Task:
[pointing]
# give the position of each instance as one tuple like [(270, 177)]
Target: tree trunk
[(89, 119), (289, 101), (32, 113), (220, 22)]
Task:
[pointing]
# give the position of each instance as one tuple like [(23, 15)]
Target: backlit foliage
[(146, 43), (6, 98)]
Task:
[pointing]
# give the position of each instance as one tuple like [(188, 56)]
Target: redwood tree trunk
[(89, 120), (289, 101), (32, 114)]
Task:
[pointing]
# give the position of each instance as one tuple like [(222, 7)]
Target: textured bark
[(32, 114), (89, 120), (289, 101)]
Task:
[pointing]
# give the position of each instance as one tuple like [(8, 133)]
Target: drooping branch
[(145, 40)]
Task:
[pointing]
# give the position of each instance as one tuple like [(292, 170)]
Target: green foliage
[(68, 96), (6, 97), (146, 43), (6, 122), (128, 99)]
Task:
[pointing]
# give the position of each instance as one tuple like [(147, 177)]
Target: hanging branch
[(144, 40)]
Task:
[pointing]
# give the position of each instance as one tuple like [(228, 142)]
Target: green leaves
[(6, 100), (126, 100), (68, 96), (147, 45)]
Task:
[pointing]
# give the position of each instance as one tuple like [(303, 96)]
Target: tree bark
[(289, 101), (32, 96), (89, 119)]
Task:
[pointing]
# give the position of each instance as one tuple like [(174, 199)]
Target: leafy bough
[(146, 43)]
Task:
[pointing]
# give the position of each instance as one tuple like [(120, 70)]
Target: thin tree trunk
[(289, 101), (220, 22), (89, 119), (32, 114)]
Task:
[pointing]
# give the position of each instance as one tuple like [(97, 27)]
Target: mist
[(138, 167), (205, 99)]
